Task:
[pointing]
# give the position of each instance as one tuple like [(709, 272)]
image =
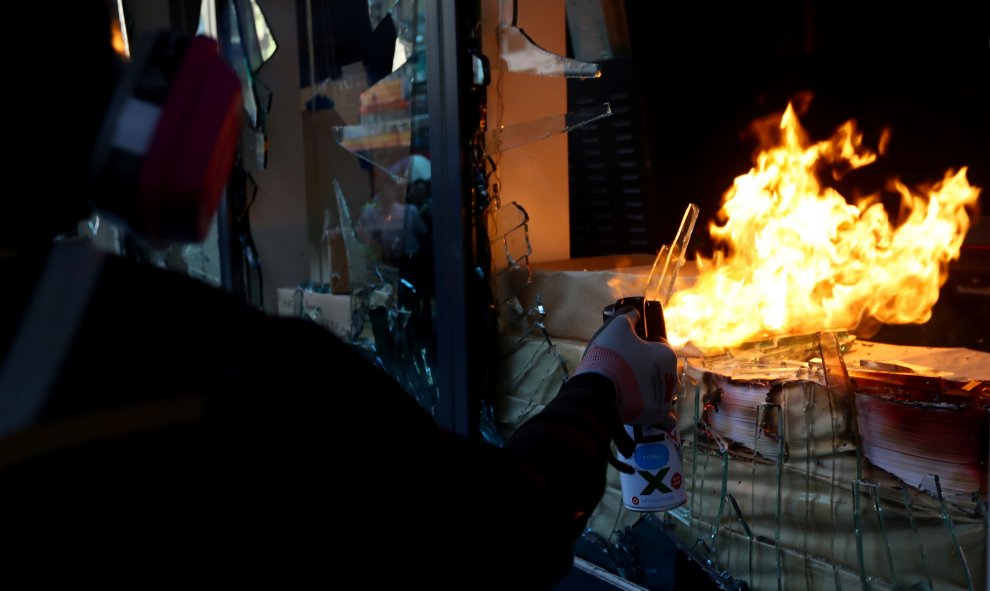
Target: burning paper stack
[(734, 414), (914, 426), (780, 491)]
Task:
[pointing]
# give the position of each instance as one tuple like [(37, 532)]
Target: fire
[(118, 39), (796, 257)]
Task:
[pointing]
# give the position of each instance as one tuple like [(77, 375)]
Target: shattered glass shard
[(520, 53), (661, 285), (384, 135), (504, 138), (512, 280), (906, 501), (515, 247), (358, 261), (258, 42), (506, 219), (407, 16), (267, 43), (378, 10), (366, 139), (947, 520)]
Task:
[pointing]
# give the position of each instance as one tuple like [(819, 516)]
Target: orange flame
[(118, 40), (800, 259)]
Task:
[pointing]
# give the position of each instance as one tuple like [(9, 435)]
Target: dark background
[(701, 73), (707, 71)]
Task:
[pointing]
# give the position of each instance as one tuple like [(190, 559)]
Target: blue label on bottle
[(651, 456)]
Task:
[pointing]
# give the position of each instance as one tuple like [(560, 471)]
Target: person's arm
[(567, 447), (446, 507), (620, 379)]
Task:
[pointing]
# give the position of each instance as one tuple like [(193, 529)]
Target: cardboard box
[(329, 310), (574, 291)]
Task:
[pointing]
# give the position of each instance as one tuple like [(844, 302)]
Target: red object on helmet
[(167, 146)]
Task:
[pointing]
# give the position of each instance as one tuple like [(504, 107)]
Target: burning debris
[(809, 453), (888, 456), (798, 258)]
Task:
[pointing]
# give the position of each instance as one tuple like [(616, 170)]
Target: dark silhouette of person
[(156, 429)]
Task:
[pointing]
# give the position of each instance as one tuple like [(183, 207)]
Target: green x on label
[(654, 482)]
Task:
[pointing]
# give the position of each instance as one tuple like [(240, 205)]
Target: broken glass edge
[(878, 509), (377, 11), (519, 53), (268, 45), (676, 256), (947, 520), (358, 261), (363, 142), (917, 536), (504, 138), (250, 44), (500, 224)]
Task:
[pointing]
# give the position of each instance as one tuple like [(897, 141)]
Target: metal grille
[(612, 201)]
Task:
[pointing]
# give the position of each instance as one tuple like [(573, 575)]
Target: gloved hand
[(644, 372)]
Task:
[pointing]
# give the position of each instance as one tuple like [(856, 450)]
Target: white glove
[(644, 372)]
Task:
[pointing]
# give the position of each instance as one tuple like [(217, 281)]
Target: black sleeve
[(435, 506), (438, 507), (311, 461), (567, 446)]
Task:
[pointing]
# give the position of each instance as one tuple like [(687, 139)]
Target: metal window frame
[(448, 80)]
